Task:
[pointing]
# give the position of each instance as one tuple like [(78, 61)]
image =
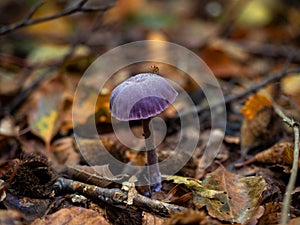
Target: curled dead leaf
[(261, 126), (73, 216), (46, 108), (241, 202)]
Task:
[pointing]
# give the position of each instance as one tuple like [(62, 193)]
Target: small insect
[(154, 69)]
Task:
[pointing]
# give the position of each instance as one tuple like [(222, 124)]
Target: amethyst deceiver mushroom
[(140, 98)]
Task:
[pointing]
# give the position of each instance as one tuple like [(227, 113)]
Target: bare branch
[(230, 98), (118, 197), (68, 11), (34, 9), (291, 185), (19, 99)]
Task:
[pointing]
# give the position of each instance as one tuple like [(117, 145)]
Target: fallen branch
[(27, 21), (291, 185), (254, 88), (20, 98), (117, 197)]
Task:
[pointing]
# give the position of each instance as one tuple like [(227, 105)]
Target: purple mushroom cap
[(141, 96)]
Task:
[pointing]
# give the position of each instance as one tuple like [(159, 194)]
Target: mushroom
[(140, 98)]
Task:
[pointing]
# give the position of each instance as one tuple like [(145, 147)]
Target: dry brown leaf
[(255, 103), (279, 153), (189, 217), (152, 219), (221, 63), (261, 126), (46, 107), (272, 214), (63, 153), (10, 217), (295, 221), (240, 203), (73, 216)]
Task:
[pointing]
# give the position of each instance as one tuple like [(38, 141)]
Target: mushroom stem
[(152, 161)]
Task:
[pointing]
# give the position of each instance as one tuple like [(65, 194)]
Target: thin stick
[(68, 11), (287, 196), (116, 196), (230, 98)]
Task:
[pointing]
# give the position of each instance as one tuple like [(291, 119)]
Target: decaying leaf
[(189, 217), (63, 153), (221, 63), (196, 187), (261, 126), (241, 200), (295, 221), (280, 153), (227, 196), (153, 219), (89, 106), (99, 152), (47, 103), (10, 217), (272, 214), (73, 216), (254, 105)]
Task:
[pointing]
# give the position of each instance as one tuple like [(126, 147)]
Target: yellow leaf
[(254, 105), (45, 125)]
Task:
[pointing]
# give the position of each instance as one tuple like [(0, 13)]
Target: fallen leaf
[(47, 104), (63, 153), (295, 221), (11, 217), (191, 217), (196, 187), (153, 219), (272, 215), (255, 103), (221, 63), (73, 216), (90, 106), (261, 126), (241, 202), (280, 153)]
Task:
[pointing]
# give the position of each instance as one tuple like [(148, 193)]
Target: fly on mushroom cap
[(141, 96)]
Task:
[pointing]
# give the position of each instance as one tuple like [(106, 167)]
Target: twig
[(230, 98), (33, 9), (25, 93), (19, 99), (294, 170), (116, 196), (269, 50), (68, 11)]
